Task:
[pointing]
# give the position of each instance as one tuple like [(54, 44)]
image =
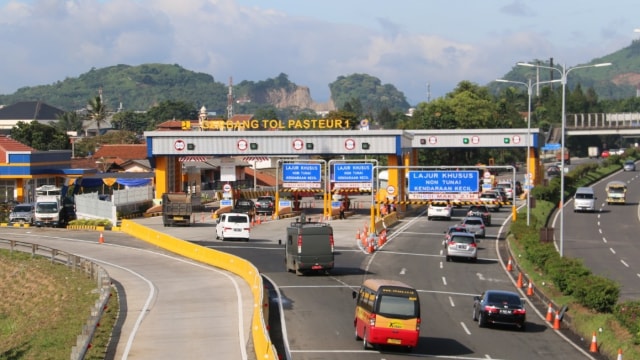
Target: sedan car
[(499, 307), (491, 200), (453, 229), (440, 210), (463, 245), (605, 154), (265, 204), (629, 165), (475, 225), (480, 211)]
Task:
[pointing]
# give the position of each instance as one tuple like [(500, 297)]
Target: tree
[(40, 136), (169, 110), (69, 121), (131, 121), (96, 111)]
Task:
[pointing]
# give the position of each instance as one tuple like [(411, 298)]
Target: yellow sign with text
[(291, 124)]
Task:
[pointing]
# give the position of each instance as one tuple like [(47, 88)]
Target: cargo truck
[(309, 247), (567, 156), (49, 211), (594, 152), (176, 209)]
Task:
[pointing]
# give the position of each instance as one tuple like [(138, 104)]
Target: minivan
[(233, 226), (584, 200)]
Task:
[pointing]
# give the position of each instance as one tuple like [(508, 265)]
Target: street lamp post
[(564, 71), (529, 86)]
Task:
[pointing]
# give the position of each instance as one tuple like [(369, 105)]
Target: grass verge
[(44, 307)]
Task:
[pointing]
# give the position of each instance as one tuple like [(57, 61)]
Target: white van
[(584, 200), (233, 226)]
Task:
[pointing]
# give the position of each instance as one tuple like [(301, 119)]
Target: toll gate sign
[(353, 173), (301, 175), (443, 181)]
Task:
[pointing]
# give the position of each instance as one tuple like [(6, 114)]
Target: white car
[(233, 226), (437, 209)]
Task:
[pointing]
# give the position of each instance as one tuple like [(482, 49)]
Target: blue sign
[(301, 173), (353, 173), (551, 146), (443, 181)]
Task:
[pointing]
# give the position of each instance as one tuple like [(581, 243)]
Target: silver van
[(584, 200)]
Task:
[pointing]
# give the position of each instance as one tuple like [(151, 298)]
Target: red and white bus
[(387, 313)]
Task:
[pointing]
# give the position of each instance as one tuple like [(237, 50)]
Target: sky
[(422, 47)]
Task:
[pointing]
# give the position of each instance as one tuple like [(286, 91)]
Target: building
[(27, 111)]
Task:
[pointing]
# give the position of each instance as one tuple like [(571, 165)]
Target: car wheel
[(356, 335), (365, 343), (481, 321), (522, 327), (474, 316), (474, 259), (246, 240)]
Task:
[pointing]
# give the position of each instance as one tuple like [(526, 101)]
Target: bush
[(565, 272), (91, 222), (538, 253), (628, 314), (597, 293)]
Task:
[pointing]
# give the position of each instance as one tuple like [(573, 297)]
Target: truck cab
[(616, 192), (48, 211)]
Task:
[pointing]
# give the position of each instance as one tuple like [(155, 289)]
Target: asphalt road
[(607, 239), (172, 307), (169, 294)]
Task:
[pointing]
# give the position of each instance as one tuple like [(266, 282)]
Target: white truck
[(49, 211), (594, 152)]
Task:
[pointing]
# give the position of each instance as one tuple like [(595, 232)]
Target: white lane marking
[(451, 302), (604, 239), (441, 265), (464, 327), (624, 263), (600, 230), (612, 250), (480, 276), (444, 280), (403, 271)]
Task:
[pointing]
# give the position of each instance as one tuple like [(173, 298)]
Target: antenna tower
[(230, 99)]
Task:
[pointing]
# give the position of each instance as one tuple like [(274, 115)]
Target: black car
[(480, 211), (265, 205), (499, 307)]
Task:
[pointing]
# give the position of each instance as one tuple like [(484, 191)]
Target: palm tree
[(69, 121), (97, 111)]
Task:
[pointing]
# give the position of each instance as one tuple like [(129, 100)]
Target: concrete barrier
[(262, 344)]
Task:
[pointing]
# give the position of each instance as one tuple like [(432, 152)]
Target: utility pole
[(230, 99)]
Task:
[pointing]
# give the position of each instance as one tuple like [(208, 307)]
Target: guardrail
[(76, 263)]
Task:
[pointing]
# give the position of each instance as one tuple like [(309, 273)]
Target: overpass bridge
[(624, 124)]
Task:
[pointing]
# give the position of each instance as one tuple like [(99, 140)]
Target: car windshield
[(47, 208), (462, 239), (237, 219), (473, 222), (504, 299), (22, 208)]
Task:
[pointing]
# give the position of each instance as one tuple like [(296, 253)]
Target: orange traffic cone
[(519, 283), (370, 248), (550, 313), (619, 354), (258, 222), (509, 265), (358, 235), (530, 288), (101, 239), (594, 344), (556, 321)]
